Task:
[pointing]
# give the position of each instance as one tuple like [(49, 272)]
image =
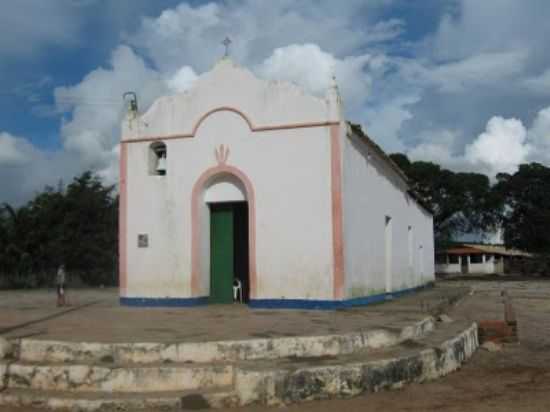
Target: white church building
[(243, 178)]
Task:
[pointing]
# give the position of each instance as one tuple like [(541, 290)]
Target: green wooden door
[(221, 254)]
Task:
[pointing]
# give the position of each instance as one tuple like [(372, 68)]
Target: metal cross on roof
[(226, 43)]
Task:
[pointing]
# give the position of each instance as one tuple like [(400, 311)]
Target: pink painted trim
[(240, 113), (196, 200), (122, 221), (337, 214), (221, 109)]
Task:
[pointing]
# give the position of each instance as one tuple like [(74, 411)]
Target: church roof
[(479, 249), (358, 130)]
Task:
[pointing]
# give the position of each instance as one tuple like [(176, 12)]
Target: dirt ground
[(514, 379)]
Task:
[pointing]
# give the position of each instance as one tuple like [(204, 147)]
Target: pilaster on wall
[(337, 212), (122, 220)]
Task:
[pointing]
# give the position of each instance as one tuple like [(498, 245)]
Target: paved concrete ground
[(96, 316)]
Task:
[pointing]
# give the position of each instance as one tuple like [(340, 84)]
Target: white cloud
[(182, 80), (384, 31), (502, 147), (12, 150), (25, 169), (295, 62), (384, 122), (484, 58), (175, 36), (480, 69), (109, 174), (187, 35), (438, 146), (96, 107)]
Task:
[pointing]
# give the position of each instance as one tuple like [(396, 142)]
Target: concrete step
[(217, 351), (92, 378), (266, 382), (284, 382), (94, 402)]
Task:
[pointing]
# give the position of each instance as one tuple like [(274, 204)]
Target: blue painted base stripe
[(311, 304), (163, 302), (294, 304), (275, 303)]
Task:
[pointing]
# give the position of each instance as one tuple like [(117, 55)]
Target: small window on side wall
[(157, 159)]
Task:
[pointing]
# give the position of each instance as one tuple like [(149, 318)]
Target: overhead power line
[(32, 99)]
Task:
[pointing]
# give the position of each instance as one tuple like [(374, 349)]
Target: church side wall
[(289, 171), (377, 216)]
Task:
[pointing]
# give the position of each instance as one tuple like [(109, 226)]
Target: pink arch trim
[(247, 119), (221, 109), (198, 189)]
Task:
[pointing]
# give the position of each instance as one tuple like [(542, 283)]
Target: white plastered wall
[(372, 191), (488, 266), (485, 267), (289, 170), (448, 268)]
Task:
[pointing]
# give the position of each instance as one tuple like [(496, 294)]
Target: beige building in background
[(476, 259)]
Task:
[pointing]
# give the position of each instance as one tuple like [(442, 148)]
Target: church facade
[(241, 181)]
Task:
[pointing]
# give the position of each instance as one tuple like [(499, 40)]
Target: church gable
[(264, 105)]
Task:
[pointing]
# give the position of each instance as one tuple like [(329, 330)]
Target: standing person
[(60, 280)]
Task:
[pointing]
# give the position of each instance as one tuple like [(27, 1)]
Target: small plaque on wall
[(143, 240)]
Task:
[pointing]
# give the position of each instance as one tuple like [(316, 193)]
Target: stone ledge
[(221, 351), (164, 401), (255, 383), (89, 378), (284, 386)]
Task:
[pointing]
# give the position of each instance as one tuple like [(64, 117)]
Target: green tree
[(15, 259), (90, 234), (460, 202), (47, 211), (526, 217), (76, 225)]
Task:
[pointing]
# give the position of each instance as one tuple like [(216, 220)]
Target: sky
[(464, 83)]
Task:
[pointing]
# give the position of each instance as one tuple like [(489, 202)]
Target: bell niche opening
[(157, 159)]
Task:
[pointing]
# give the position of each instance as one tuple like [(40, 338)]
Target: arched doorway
[(225, 197), (223, 244)]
